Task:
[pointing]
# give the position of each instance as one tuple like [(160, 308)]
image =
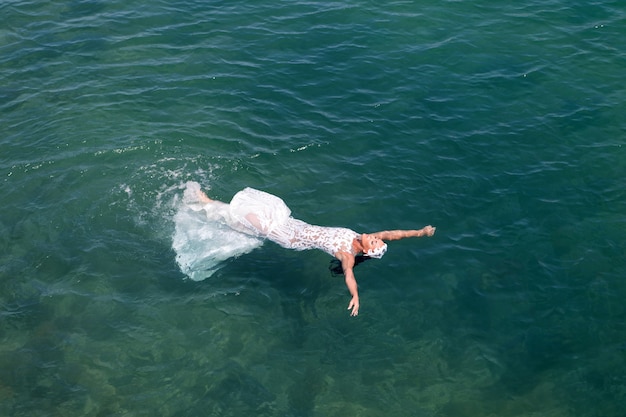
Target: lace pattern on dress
[(298, 235)]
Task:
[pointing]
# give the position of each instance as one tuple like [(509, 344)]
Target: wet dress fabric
[(264, 215)]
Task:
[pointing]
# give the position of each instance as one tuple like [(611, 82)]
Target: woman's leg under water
[(217, 210), (204, 199)]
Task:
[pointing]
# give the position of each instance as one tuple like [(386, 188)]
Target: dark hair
[(335, 264)]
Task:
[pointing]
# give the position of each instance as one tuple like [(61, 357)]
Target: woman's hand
[(429, 230), (354, 305)]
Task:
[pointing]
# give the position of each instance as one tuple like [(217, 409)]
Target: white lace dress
[(264, 215)]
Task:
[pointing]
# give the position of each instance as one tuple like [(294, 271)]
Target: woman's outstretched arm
[(347, 264), (402, 234)]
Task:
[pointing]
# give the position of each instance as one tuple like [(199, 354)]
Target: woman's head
[(373, 246)]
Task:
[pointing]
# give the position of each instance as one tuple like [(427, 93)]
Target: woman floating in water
[(264, 215)]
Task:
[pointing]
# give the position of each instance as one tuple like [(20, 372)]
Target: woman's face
[(371, 242), (373, 246)]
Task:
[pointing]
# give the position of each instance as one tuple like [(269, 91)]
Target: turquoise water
[(503, 125)]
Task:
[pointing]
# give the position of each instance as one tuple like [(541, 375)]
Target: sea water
[(500, 124)]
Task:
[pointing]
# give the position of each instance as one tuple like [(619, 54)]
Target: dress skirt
[(262, 214)]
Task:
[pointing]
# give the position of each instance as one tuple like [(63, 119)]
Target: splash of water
[(202, 241)]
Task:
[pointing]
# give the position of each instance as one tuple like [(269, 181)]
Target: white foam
[(202, 241)]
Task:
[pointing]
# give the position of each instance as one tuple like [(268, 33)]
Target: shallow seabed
[(503, 125)]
